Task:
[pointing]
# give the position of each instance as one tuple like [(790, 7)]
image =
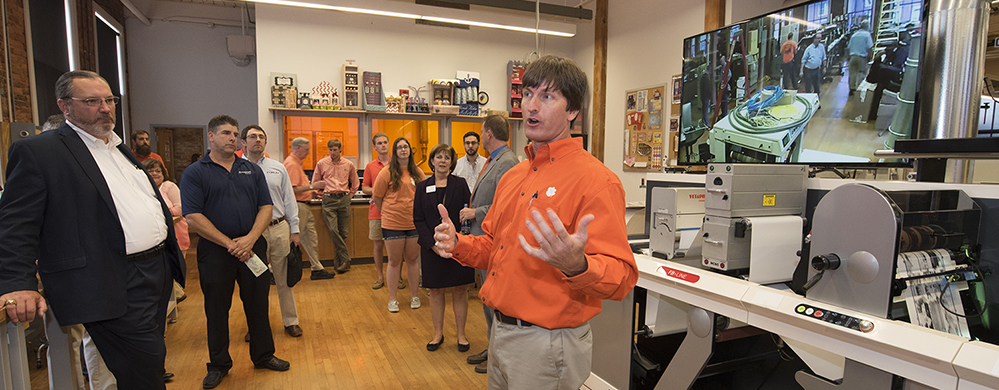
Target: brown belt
[(511, 320)]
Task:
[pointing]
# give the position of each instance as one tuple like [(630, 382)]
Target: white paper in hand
[(256, 265)]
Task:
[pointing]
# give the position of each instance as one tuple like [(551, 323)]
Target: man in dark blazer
[(495, 135), (78, 201)]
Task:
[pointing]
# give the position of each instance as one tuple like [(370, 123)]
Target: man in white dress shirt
[(468, 168), (283, 229)]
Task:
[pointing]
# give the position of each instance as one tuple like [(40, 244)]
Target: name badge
[(431, 189)]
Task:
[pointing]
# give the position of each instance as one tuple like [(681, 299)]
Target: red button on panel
[(818, 313)]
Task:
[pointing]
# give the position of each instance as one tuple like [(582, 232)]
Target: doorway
[(177, 144)]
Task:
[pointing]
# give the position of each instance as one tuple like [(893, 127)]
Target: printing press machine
[(704, 327)]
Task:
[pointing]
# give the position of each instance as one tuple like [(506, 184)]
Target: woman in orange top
[(393, 193)]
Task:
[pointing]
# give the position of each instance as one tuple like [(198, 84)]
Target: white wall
[(181, 74), (314, 44), (645, 40)]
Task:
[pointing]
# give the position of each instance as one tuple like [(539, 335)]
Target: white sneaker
[(414, 303), (393, 306)]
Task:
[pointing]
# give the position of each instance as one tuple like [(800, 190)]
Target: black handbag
[(294, 265)]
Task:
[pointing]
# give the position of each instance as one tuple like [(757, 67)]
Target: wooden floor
[(350, 340)]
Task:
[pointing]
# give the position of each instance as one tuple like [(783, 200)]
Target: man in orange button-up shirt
[(304, 191), (546, 282), (340, 178)]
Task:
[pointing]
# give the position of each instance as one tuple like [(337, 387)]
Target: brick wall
[(18, 61), (186, 141), (86, 35)]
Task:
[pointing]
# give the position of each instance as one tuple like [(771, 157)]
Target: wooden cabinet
[(358, 243)]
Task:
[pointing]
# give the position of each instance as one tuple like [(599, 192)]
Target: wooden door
[(164, 147)]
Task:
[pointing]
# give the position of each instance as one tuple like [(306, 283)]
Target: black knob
[(825, 262)]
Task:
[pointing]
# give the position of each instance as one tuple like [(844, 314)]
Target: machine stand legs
[(694, 352), (856, 376)]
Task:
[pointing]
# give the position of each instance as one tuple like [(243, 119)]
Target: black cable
[(946, 286), (247, 10)]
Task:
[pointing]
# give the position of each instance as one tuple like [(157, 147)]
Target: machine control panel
[(834, 318)]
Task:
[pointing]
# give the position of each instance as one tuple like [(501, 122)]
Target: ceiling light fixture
[(366, 11)]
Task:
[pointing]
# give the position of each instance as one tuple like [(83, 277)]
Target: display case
[(515, 71), (319, 130)]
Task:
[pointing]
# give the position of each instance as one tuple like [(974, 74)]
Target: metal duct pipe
[(954, 62), (901, 124)]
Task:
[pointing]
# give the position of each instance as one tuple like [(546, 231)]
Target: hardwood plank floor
[(350, 340)]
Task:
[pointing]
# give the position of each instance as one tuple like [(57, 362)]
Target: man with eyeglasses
[(340, 182), (79, 202), (468, 168)]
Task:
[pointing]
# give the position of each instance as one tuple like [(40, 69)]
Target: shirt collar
[(553, 150), (494, 151), (115, 140), (247, 158)]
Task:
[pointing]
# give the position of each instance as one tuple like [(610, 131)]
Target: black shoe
[(273, 282), (464, 347), (273, 363), (213, 379), (433, 346), (322, 274), (247, 337), (342, 271), (181, 299), (167, 377), (479, 357)]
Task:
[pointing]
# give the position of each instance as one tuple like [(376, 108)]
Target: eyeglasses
[(255, 136), (402, 147), (96, 102)]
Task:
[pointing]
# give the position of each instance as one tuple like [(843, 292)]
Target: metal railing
[(14, 355)]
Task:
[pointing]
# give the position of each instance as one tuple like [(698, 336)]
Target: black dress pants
[(219, 272), (132, 345)]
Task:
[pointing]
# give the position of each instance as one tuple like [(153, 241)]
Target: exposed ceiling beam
[(529, 6)]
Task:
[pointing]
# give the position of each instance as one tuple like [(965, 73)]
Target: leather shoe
[(479, 357), (247, 337), (293, 331), (481, 367), (433, 346), (273, 363), (322, 274), (168, 377), (464, 347), (213, 379)]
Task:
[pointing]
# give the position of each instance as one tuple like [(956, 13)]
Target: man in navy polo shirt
[(227, 202)]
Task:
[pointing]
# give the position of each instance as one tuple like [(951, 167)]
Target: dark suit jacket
[(57, 208), (485, 187), (426, 217)]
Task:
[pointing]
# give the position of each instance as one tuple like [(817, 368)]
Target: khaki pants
[(307, 234), (278, 246), (336, 212), (532, 357)]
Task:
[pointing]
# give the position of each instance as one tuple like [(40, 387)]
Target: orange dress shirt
[(296, 172), (370, 173), (565, 178), (340, 176)]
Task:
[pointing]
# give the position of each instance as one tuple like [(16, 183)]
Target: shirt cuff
[(586, 278)]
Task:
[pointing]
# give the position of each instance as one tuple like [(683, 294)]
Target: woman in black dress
[(440, 273)]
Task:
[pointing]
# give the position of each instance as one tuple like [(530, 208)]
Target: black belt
[(338, 194), (148, 253), (303, 202), (510, 320), (277, 221)]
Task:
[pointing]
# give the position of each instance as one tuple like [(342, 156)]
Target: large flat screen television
[(824, 83)]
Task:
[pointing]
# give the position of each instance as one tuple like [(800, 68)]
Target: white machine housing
[(677, 215)]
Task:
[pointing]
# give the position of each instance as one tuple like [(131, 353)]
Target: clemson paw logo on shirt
[(550, 192)]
